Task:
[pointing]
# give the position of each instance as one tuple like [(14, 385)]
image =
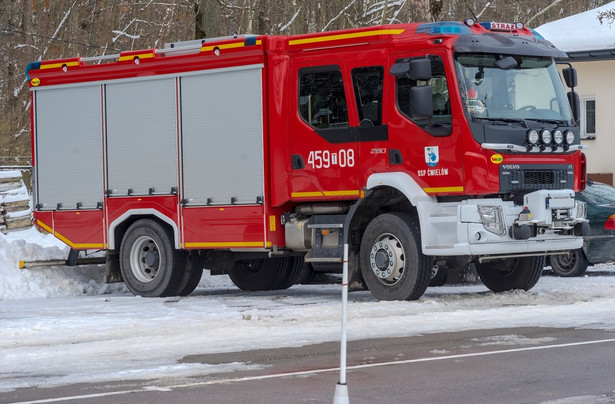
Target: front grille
[(523, 179), (540, 178)]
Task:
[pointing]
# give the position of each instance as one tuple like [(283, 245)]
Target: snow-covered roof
[(581, 32)]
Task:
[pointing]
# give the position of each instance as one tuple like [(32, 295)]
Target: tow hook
[(520, 232), (581, 229)]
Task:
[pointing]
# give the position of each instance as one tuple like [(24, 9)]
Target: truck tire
[(191, 276), (150, 265), (307, 274), (569, 264), (511, 273), (392, 263), (259, 274), (439, 274), (290, 276)]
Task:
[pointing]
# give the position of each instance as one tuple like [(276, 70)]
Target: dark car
[(599, 245)]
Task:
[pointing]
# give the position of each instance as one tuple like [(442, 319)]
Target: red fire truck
[(417, 145)]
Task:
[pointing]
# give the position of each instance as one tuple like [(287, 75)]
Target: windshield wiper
[(545, 120), (504, 121)]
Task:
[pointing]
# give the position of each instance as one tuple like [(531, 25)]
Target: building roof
[(582, 36)]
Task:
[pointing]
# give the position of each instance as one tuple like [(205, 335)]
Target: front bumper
[(549, 221)]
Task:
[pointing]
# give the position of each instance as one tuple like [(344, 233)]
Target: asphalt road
[(528, 365)]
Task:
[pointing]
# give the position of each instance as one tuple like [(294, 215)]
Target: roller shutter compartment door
[(68, 148), (222, 137), (142, 137)]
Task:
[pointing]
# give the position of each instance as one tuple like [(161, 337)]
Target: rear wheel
[(392, 263), (571, 263), (438, 275), (260, 274), (150, 265), (307, 274), (291, 274), (191, 276), (511, 273)]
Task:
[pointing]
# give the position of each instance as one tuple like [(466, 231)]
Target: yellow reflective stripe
[(44, 226), (350, 192), (67, 241), (229, 244), (77, 245), (140, 56), (305, 194), (58, 65), (443, 189), (226, 46), (339, 37)]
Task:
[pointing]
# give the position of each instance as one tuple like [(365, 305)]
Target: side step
[(327, 239)]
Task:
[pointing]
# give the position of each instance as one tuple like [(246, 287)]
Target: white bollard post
[(341, 389)]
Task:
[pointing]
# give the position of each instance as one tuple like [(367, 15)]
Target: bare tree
[(607, 16)]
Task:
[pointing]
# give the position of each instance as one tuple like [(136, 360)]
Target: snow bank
[(30, 245)]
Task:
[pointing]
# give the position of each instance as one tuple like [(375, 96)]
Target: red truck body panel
[(332, 170)]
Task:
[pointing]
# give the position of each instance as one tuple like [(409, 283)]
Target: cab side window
[(368, 83), (322, 100), (440, 124)]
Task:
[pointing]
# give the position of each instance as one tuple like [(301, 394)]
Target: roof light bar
[(443, 28)]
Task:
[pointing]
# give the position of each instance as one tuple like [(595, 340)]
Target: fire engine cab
[(417, 145)]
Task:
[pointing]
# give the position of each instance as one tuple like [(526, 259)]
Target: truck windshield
[(529, 90)]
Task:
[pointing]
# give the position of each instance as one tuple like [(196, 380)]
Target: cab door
[(428, 148), (323, 146), (369, 79)]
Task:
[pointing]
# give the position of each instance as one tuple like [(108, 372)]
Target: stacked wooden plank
[(15, 209)]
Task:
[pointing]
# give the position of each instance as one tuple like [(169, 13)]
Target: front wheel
[(392, 264), (511, 273), (571, 263), (150, 265)]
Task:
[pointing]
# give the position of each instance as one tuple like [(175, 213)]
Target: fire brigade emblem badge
[(432, 156)]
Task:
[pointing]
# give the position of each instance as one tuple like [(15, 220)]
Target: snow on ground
[(63, 325)]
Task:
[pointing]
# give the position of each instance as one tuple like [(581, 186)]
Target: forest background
[(33, 30)]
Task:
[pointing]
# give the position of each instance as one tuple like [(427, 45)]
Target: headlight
[(532, 137), (569, 137), (546, 136), (558, 137), (491, 218)]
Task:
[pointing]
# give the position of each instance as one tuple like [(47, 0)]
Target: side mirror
[(421, 102), (575, 105), (570, 76), (399, 69), (417, 69), (420, 69)]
